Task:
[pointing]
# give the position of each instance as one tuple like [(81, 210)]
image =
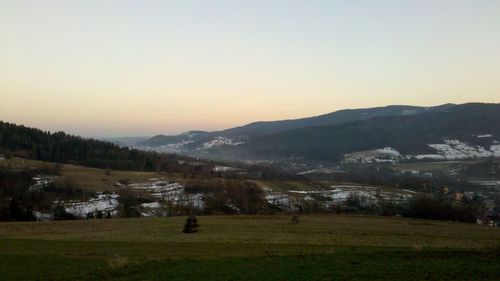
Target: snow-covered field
[(184, 147), (386, 154), (168, 192), (280, 199), (336, 195), (41, 181), (153, 209), (158, 188), (495, 149), (165, 195), (451, 149), (455, 149), (430, 157), (219, 141), (102, 202), (175, 147)]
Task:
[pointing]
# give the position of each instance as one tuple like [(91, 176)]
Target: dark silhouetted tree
[(191, 225)]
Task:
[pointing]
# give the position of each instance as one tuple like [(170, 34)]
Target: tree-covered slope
[(63, 148), (334, 118), (191, 142), (409, 134)]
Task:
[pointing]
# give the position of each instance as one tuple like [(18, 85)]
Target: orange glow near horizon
[(128, 68)]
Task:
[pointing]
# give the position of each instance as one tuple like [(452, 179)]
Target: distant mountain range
[(127, 141), (447, 131)]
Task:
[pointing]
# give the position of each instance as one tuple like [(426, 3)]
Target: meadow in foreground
[(249, 248)]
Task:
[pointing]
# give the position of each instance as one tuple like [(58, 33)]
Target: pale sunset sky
[(139, 68)]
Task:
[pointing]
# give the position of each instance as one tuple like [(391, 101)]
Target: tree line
[(31, 143)]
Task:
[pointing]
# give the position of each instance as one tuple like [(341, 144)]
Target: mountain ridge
[(261, 128), (410, 134), (329, 137)]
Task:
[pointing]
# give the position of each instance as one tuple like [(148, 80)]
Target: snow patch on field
[(40, 216), (159, 188), (318, 171), (102, 202), (281, 200), (153, 205), (455, 149), (336, 195), (167, 191), (388, 151), (153, 209), (451, 149), (224, 169), (485, 136), (41, 181), (174, 147), (430, 157), (219, 141), (495, 149), (380, 155)]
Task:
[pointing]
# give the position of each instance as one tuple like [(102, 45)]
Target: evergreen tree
[(191, 225)]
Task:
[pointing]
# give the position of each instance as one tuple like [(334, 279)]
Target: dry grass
[(248, 248), (312, 230), (92, 179)]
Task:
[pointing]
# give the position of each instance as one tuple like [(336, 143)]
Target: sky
[(139, 68)]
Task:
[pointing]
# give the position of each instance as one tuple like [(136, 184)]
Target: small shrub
[(429, 208), (61, 214), (99, 215)]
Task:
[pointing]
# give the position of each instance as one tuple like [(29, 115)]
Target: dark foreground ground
[(250, 248)]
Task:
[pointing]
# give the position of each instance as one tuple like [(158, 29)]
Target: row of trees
[(14, 212), (229, 196), (422, 207), (386, 175), (427, 207)]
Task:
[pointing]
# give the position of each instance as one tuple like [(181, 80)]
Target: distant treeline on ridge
[(31, 143)]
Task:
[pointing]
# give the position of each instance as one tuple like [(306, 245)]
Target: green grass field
[(249, 248)]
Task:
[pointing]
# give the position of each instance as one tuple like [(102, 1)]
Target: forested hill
[(193, 141), (31, 143), (409, 134)]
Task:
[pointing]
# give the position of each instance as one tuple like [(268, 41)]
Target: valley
[(249, 140)]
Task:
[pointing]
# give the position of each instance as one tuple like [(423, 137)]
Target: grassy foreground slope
[(249, 248)]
